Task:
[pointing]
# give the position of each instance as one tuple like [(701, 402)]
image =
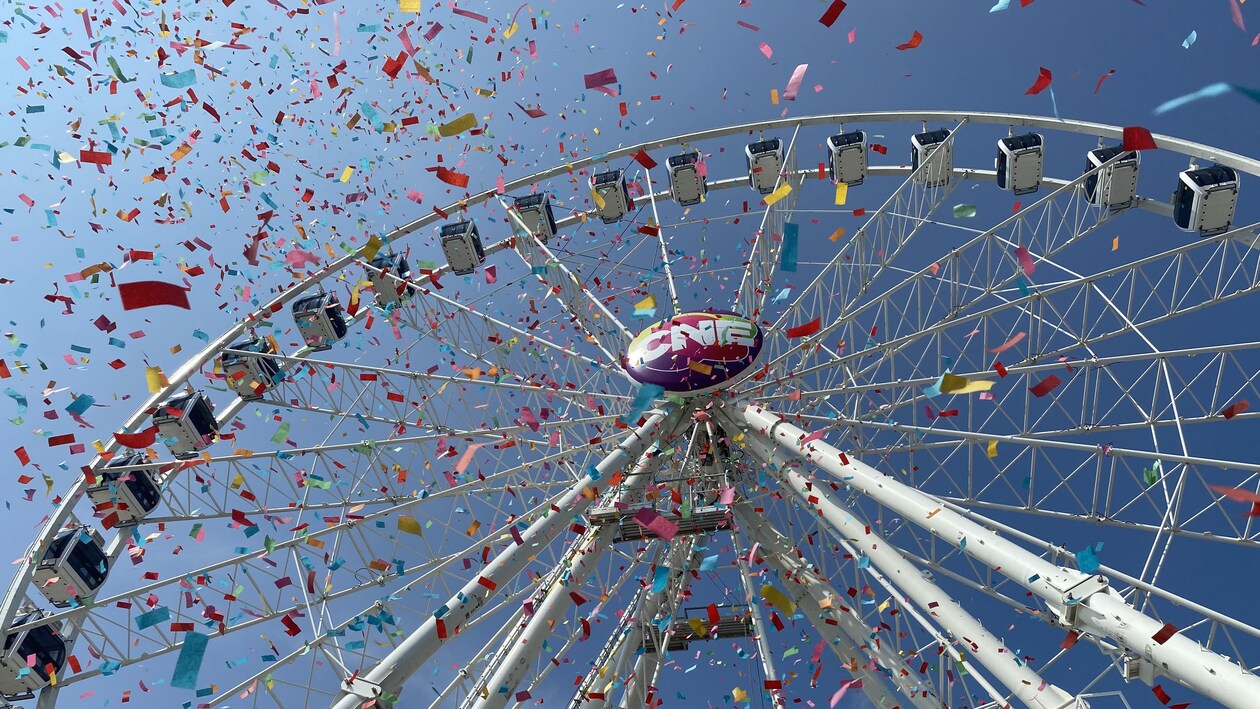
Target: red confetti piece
[(450, 177), (649, 230), (1045, 386), (915, 40), (1138, 138), (600, 78), (146, 294), (1162, 635), (833, 13), (1103, 78), (532, 112), (96, 157), (645, 160), (1160, 694), (1237, 408), (1041, 84), (290, 628), (805, 330), (22, 455), (1000, 369)]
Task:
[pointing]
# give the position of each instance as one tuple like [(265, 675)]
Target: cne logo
[(694, 352)]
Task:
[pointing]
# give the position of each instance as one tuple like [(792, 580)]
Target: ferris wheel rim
[(191, 366)]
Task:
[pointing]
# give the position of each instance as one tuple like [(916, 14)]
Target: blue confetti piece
[(1087, 560), (660, 579), (709, 563), (188, 666)]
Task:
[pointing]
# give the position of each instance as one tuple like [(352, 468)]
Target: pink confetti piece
[(470, 14), (765, 49), (1009, 343), (1025, 260), (794, 84), (433, 31), (741, 23)]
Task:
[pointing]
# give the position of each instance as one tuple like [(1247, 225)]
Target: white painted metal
[(1081, 601), (845, 633), (765, 653), (1020, 680), (389, 675)]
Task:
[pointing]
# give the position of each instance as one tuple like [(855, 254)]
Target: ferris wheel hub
[(694, 352)]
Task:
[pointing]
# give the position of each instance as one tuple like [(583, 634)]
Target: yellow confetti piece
[(510, 31), (774, 97), (598, 199), (468, 121), (345, 174), (954, 384), (156, 380), (410, 526), (884, 606), (992, 452), (409, 5), (842, 193), (738, 694), (776, 598), (1115, 243), (472, 528), (835, 235), (646, 304), (374, 245), (700, 367), (784, 190), (180, 152)]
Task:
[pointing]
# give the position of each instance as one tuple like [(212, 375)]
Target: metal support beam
[(523, 645), (647, 665), (764, 651), (1080, 601), (844, 632), (1020, 680), (389, 675)]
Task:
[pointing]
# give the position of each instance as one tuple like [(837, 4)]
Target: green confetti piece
[(113, 64), (282, 433), (964, 211)]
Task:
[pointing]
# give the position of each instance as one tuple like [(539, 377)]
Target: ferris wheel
[(776, 389)]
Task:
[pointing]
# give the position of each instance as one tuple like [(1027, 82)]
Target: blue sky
[(678, 70)]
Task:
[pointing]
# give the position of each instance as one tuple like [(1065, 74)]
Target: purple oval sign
[(693, 352)]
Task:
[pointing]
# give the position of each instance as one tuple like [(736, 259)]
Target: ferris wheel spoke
[(836, 622), (422, 643), (1099, 611), (848, 528), (1075, 481), (582, 305), (941, 290), (1214, 629), (763, 259), (835, 291)]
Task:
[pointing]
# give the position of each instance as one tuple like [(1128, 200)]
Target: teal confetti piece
[(709, 563), (188, 666), (180, 79), (161, 614), (81, 404), (787, 253)]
